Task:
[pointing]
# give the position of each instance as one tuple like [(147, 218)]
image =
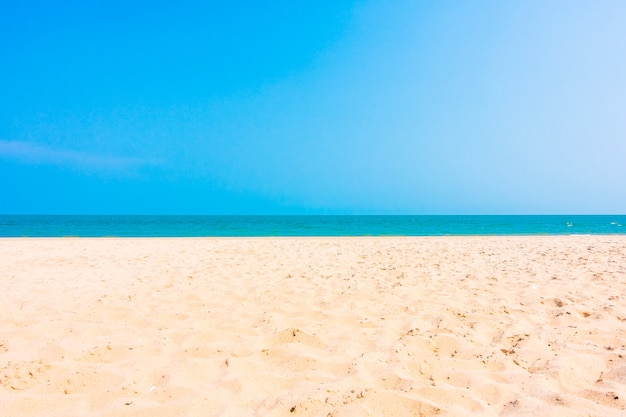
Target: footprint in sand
[(298, 336)]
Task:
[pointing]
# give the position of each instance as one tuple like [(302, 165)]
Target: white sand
[(451, 326)]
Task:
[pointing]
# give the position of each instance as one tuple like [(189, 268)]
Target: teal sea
[(350, 225)]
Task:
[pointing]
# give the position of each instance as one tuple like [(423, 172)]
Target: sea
[(305, 225)]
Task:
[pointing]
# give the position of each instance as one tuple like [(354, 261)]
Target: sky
[(301, 107)]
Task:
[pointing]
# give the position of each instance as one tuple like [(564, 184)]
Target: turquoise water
[(197, 226)]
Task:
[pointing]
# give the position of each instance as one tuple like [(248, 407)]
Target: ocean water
[(198, 226)]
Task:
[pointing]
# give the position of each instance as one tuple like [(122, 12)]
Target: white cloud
[(31, 153)]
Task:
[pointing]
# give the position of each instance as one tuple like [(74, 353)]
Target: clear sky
[(306, 107)]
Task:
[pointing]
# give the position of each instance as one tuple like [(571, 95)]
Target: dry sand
[(450, 326)]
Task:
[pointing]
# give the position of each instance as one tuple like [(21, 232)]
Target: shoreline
[(283, 326), (609, 235)]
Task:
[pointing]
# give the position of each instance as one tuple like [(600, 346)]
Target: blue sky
[(293, 107)]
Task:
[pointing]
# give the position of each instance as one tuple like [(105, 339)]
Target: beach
[(354, 326)]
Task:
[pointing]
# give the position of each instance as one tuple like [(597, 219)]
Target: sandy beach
[(449, 326)]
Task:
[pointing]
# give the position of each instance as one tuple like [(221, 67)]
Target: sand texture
[(449, 326)]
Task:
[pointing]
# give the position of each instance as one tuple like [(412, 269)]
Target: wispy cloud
[(31, 153)]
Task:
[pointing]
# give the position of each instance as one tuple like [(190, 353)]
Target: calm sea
[(196, 226)]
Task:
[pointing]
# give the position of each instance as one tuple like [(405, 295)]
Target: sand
[(449, 326)]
